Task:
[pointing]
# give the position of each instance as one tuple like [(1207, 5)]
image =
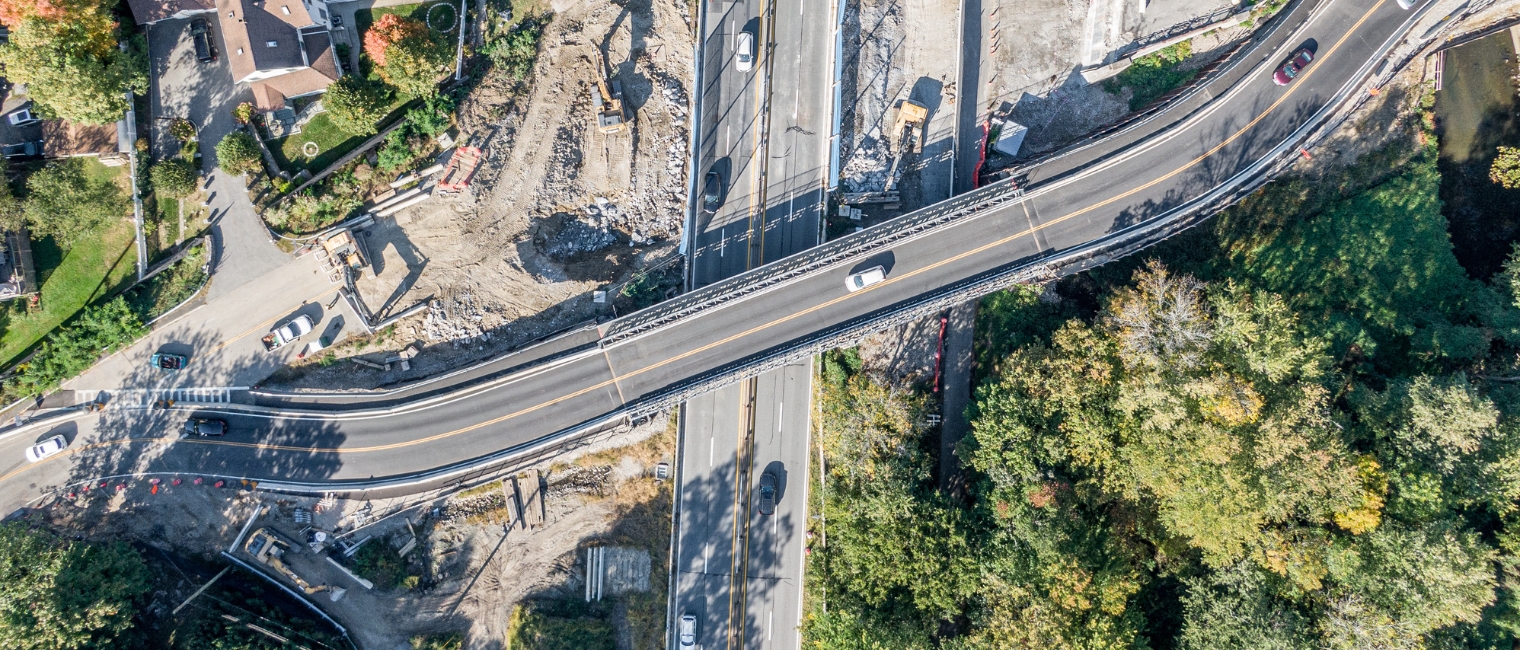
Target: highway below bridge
[(755, 321)]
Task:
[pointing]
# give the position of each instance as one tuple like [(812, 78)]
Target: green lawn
[(332, 142), (93, 268)]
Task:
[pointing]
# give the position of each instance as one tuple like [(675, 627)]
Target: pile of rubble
[(591, 481), (588, 233), (457, 320), (484, 504)]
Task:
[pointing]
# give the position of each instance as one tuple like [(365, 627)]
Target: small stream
[(1476, 112)]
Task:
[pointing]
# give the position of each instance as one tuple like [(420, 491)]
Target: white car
[(46, 448), (865, 278), (744, 52), (688, 631)]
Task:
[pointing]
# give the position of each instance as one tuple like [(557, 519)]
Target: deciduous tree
[(414, 64), (355, 104), (72, 66), (389, 30), (63, 202), (59, 595)]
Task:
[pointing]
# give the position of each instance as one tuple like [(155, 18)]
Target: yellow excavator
[(608, 102), (269, 550), (906, 136)]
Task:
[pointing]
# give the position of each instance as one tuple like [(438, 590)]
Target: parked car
[(21, 117), (865, 278), (205, 47), (23, 149), (712, 193), (46, 448), (688, 631), (205, 427), (1406, 5), (744, 52), (1293, 66), (293, 329), (767, 494), (170, 362)]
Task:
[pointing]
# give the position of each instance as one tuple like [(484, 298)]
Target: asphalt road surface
[(737, 571), (1144, 180)]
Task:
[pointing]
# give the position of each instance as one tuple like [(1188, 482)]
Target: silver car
[(744, 52), (688, 631), (865, 278)]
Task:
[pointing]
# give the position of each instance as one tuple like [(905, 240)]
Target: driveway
[(205, 94)]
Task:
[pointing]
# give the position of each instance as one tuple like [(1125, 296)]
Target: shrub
[(516, 51), (1154, 75), (182, 129), (239, 153), (174, 179), (306, 212), (355, 104), (432, 117), (397, 151), (69, 351), (244, 113), (1506, 168)]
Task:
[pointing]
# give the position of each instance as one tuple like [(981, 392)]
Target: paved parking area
[(205, 94)]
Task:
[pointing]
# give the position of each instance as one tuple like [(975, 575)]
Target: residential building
[(281, 48)]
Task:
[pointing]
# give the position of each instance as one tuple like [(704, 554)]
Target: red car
[(1289, 70)]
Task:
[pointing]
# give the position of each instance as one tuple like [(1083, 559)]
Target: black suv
[(200, 32)]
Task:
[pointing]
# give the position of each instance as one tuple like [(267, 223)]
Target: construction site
[(580, 183)]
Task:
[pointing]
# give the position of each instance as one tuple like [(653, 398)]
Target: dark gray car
[(205, 427), (205, 47), (712, 193), (23, 149), (767, 494)]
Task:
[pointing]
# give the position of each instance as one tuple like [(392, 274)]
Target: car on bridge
[(866, 278), (46, 448), (1294, 65), (169, 362)]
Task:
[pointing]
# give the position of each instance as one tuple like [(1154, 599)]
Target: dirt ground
[(470, 569), (557, 210), (897, 50)]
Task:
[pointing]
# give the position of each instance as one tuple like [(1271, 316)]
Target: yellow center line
[(729, 339)]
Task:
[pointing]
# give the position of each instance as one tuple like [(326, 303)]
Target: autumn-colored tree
[(72, 66), (391, 29)]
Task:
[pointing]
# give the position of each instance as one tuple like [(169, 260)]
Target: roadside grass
[(1154, 75), (557, 625), (96, 266), (171, 287), (96, 171)]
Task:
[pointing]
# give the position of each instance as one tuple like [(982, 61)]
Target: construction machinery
[(608, 100), (268, 549), (906, 137)]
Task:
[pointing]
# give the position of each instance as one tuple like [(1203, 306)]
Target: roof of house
[(151, 11), (61, 139), (249, 27), (269, 94)]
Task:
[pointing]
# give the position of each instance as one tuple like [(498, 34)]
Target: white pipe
[(404, 205), (256, 512), (397, 199)]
